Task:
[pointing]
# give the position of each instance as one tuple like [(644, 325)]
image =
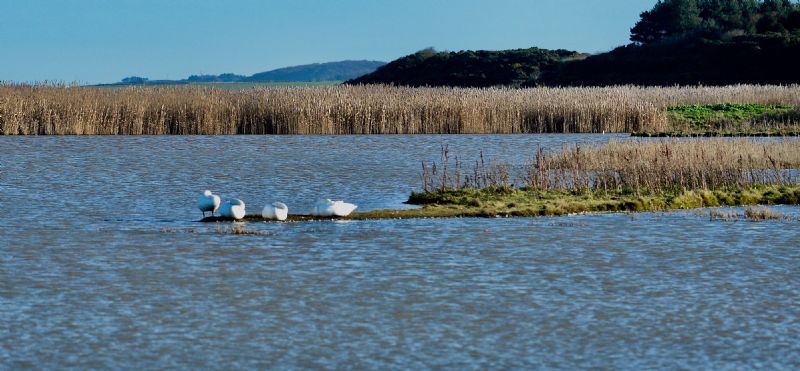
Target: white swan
[(326, 207), (233, 209), (275, 211), (208, 202)]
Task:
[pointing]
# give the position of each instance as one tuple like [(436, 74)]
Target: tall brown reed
[(668, 165), (639, 166), (60, 109)]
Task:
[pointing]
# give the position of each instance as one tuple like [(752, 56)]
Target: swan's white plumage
[(275, 211), (326, 207), (233, 209), (208, 202)]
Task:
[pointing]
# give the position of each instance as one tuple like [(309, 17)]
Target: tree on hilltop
[(670, 19)]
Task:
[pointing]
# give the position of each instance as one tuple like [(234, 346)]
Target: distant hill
[(468, 68), (331, 71)]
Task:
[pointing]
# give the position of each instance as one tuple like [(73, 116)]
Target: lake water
[(103, 265)]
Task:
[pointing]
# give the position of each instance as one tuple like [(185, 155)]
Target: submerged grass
[(762, 213), (751, 213), (239, 230), (716, 214)]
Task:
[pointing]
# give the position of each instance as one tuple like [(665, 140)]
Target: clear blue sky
[(93, 41)]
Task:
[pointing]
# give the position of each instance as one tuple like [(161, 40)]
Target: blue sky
[(91, 41)]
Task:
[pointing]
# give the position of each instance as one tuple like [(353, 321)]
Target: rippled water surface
[(103, 265)]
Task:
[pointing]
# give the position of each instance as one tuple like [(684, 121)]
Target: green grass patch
[(731, 119), (709, 115)]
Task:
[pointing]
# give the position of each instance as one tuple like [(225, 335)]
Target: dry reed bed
[(53, 109), (654, 167)]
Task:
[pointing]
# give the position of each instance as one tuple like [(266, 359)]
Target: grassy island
[(496, 202), (524, 202), (621, 176)]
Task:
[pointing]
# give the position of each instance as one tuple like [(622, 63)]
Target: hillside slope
[(331, 71), (468, 68)]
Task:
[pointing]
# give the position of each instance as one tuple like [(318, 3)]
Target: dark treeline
[(687, 42), (743, 60), (468, 68), (710, 42), (717, 19)]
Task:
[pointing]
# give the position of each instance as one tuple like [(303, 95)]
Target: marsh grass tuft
[(759, 213), (178, 230), (716, 214), (750, 213)]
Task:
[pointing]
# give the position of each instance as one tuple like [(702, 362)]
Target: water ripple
[(102, 266)]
